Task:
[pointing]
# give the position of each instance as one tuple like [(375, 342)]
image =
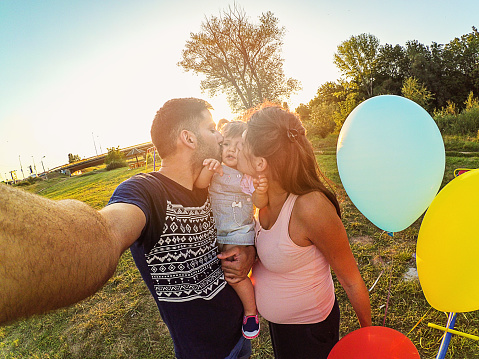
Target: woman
[(300, 236)]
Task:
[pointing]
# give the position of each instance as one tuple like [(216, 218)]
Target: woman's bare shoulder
[(314, 202), (317, 217)]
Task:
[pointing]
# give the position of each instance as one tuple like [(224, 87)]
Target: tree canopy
[(357, 60), (115, 158), (239, 58), (417, 92), (73, 158), (442, 78)]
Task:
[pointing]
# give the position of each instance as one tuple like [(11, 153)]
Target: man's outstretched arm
[(56, 253)]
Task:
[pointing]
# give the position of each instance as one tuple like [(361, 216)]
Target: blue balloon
[(391, 160)]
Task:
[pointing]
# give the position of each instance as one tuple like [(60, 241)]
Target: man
[(55, 253)]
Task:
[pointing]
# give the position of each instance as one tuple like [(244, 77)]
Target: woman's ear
[(188, 139)]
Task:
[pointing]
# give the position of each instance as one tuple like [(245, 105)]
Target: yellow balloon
[(447, 254)]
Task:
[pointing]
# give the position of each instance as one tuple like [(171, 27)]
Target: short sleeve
[(247, 184), (133, 191)]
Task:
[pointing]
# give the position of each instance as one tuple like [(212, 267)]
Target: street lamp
[(99, 144), (35, 166), (21, 167), (94, 144), (46, 177)]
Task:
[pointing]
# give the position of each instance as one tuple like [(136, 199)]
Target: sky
[(80, 76)]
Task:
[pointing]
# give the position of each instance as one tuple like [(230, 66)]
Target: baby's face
[(229, 154)]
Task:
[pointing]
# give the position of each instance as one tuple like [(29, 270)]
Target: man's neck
[(179, 171)]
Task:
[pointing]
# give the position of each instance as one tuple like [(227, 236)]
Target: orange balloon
[(374, 343)]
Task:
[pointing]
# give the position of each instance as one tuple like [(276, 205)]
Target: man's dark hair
[(176, 115)]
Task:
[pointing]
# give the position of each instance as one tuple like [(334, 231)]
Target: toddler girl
[(232, 197)]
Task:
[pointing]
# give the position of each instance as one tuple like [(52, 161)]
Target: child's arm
[(260, 195), (211, 166)]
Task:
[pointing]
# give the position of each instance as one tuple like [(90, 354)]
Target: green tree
[(441, 78), (304, 112), (417, 92), (239, 58), (73, 158), (392, 68), (427, 66), (356, 59), (330, 93), (322, 119), (326, 112), (461, 67), (115, 158), (345, 108)]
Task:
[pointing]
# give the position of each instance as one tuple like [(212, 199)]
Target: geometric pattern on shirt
[(183, 263)]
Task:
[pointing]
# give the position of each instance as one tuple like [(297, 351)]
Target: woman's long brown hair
[(279, 136)]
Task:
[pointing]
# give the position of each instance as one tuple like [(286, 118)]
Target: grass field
[(121, 320)]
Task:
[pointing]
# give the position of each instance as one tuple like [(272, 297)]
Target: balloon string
[(389, 295), (376, 282), (420, 320)]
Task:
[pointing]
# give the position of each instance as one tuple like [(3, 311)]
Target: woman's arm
[(315, 219)]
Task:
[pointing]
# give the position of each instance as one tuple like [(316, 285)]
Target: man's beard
[(205, 151)]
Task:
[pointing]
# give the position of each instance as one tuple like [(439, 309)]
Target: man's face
[(209, 140)]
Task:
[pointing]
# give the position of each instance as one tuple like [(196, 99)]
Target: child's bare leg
[(245, 290)]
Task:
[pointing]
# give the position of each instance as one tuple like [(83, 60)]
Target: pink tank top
[(292, 284)]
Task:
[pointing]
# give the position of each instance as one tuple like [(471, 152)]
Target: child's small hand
[(213, 165), (260, 184)]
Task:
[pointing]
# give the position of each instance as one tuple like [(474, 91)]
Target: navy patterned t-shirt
[(176, 256)]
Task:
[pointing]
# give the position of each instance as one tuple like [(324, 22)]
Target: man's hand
[(237, 262)]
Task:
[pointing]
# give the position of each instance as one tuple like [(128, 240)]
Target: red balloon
[(374, 343)]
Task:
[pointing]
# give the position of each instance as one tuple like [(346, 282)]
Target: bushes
[(460, 144), (465, 123), (115, 164), (115, 159)]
